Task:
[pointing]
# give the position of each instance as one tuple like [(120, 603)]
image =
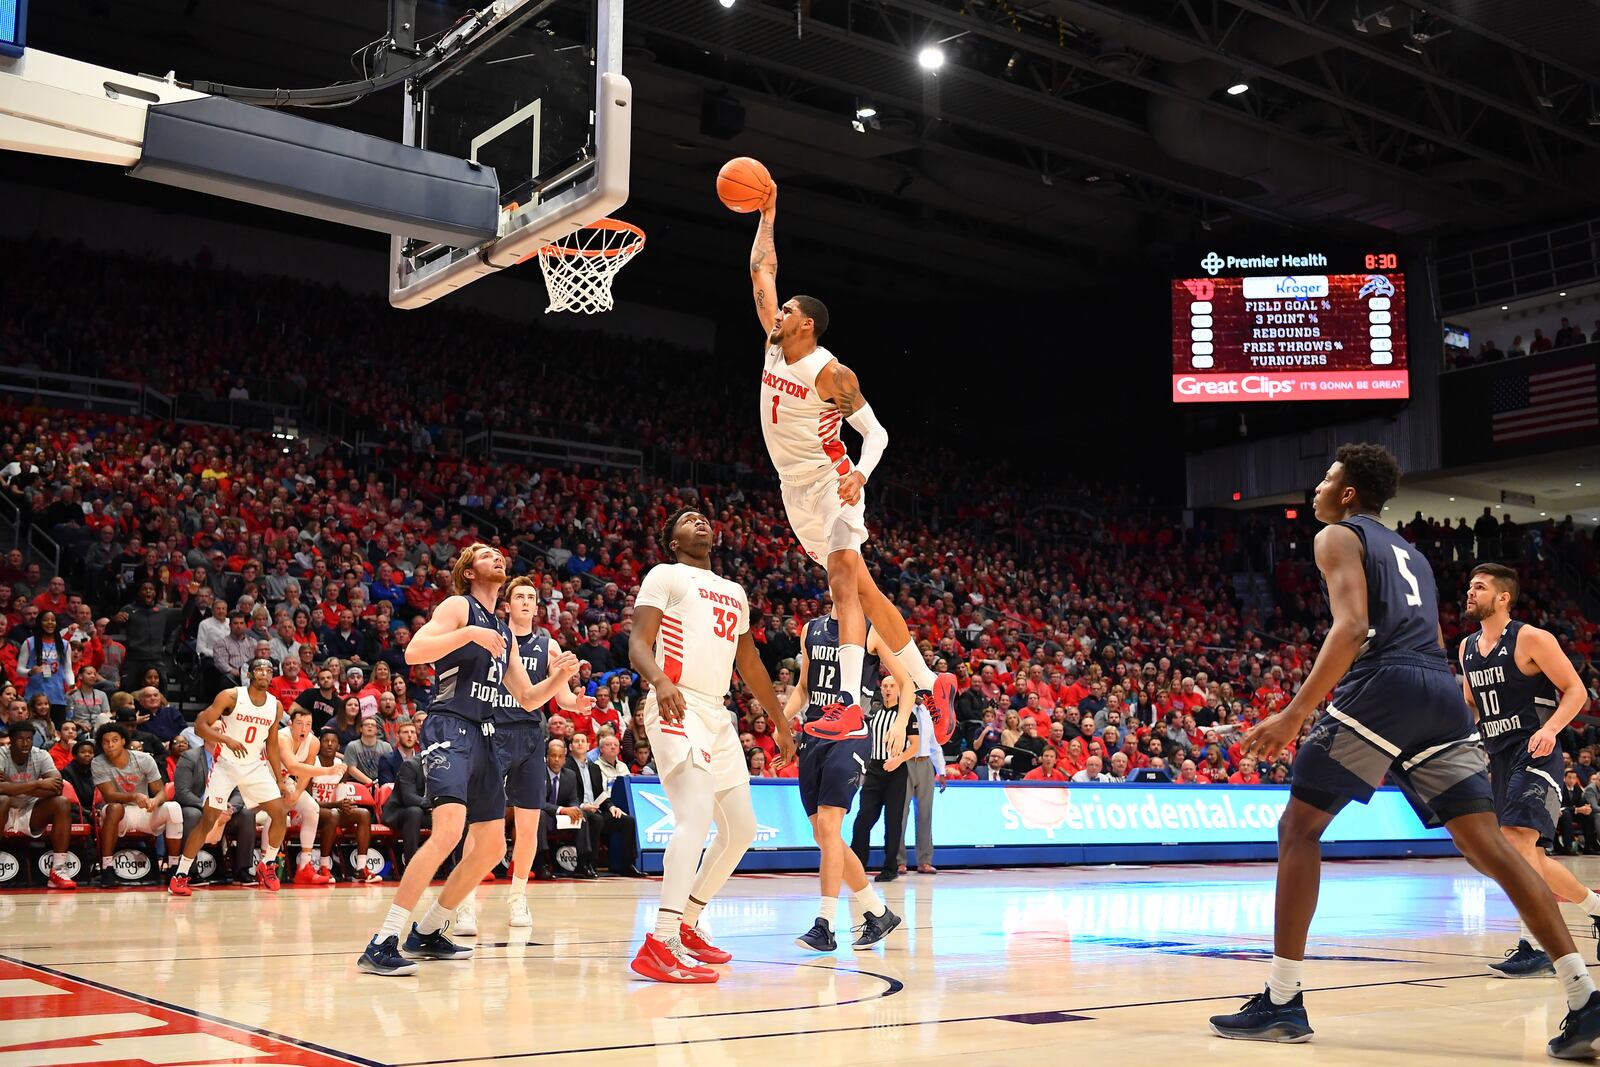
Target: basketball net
[(579, 267)]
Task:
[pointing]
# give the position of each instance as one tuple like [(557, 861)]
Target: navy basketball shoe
[(875, 928), (819, 938), (434, 946), (1262, 1020), (1524, 961), (383, 957), (1579, 1038)]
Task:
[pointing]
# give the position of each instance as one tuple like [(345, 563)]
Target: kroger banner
[(1079, 823)]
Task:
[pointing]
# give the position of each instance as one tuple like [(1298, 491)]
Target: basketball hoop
[(579, 267)]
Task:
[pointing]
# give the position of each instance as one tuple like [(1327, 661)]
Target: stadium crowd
[(1090, 645)]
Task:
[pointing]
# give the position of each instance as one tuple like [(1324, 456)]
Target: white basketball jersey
[(302, 754), (801, 428), (325, 787), (251, 724), (702, 616)]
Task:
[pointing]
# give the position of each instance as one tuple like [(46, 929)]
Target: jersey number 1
[(774, 409), (1402, 559)]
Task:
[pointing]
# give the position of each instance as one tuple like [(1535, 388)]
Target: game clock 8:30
[(1382, 261)]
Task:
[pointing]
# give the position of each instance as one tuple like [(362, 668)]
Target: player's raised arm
[(753, 673), (1557, 667), (448, 631), (566, 699), (563, 665), (840, 385), (764, 265), (800, 693)]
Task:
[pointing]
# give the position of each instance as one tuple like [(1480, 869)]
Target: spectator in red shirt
[(964, 769), (1189, 775), (54, 598), (291, 683), (1047, 771), (1246, 774)]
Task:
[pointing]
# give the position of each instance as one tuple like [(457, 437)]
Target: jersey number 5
[(1402, 559), (726, 622)]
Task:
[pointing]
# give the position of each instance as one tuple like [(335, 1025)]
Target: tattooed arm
[(839, 384), (764, 265)]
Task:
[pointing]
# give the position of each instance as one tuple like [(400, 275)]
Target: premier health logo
[(1212, 263)]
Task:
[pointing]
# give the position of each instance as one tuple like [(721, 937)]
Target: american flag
[(1551, 401)]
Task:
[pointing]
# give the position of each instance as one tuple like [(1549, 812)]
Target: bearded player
[(1525, 692), (805, 395), (691, 629)]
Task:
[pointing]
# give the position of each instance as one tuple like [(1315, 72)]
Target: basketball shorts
[(831, 771), (1405, 719), (706, 738), (254, 780), (1527, 790), (20, 820), (165, 821), (821, 521), (459, 767), (519, 753)]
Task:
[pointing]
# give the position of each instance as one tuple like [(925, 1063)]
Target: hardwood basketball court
[(1100, 964)]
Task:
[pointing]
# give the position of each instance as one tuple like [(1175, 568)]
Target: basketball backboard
[(540, 98)]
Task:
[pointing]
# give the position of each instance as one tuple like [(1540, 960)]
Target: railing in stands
[(1533, 265), (158, 405), (10, 523), (524, 447), (45, 547), (71, 390)]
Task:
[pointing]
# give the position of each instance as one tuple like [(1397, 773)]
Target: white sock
[(691, 912), (304, 859), (60, 860), (911, 659), (1591, 903), (826, 908), (851, 658), (667, 923), (394, 923), (868, 900), (327, 863), (184, 863), (435, 919), (519, 885), (1575, 980), (1283, 981), (269, 855)]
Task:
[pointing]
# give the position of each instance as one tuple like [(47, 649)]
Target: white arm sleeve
[(874, 438)]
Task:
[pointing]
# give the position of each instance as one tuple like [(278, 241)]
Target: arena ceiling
[(1060, 139)]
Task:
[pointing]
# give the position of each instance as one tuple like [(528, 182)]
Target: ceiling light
[(858, 126), (1382, 19), (931, 57), (1578, 484), (1239, 88), (1505, 307), (1452, 500), (1561, 294), (866, 111), (726, 3)]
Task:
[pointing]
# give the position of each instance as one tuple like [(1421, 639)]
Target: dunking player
[(1396, 711), (831, 770), (468, 647), (691, 628), (248, 716), (1511, 673), (519, 746), (805, 394)]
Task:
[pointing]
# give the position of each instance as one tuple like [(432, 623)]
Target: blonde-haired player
[(297, 747), (806, 394), (691, 628), (248, 715)]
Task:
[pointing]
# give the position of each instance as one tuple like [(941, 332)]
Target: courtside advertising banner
[(989, 814)]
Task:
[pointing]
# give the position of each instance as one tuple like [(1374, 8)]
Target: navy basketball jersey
[(470, 682), (1402, 599), (534, 650), (822, 668), (1511, 705)]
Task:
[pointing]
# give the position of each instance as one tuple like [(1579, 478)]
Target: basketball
[(743, 184)]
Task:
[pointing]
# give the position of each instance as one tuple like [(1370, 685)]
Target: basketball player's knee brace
[(736, 822)]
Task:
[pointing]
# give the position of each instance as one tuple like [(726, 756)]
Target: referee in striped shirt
[(883, 788)]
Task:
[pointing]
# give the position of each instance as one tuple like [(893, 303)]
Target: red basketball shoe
[(699, 947), (179, 886), (837, 723), (657, 962), (942, 707), (61, 881), (267, 875)]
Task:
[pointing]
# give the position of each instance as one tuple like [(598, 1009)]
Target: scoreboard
[(1290, 325)]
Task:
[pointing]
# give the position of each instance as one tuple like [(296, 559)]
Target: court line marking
[(902, 1025), (195, 1013)]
